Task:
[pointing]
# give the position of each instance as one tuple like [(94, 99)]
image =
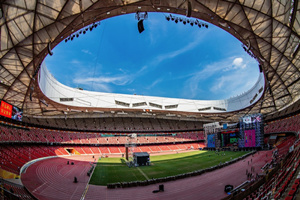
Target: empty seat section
[(155, 148), (145, 149), (87, 150), (95, 150), (104, 150), (114, 150)]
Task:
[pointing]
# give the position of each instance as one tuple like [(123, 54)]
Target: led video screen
[(250, 138), (10, 111), (5, 109), (17, 114), (211, 140), (229, 139)]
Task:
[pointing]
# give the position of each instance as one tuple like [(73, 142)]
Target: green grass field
[(113, 170)]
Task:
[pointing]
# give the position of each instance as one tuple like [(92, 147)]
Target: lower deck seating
[(13, 191), (285, 177), (13, 157)]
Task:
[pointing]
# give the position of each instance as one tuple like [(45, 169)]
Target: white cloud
[(86, 51), (142, 70), (238, 61), (232, 84), (173, 54), (234, 78), (101, 87), (75, 62), (118, 80), (154, 83), (105, 83)]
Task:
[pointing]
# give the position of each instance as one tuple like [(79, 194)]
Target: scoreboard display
[(10, 111), (5, 109)]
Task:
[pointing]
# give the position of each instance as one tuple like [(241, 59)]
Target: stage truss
[(130, 147)]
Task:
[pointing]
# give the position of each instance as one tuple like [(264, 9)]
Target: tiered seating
[(9, 162), (87, 150), (173, 147), (114, 150), (61, 151), (14, 157), (122, 140), (79, 150), (95, 150), (93, 138), (116, 124), (138, 149), (122, 149), (104, 150), (44, 150), (152, 139), (280, 180), (287, 175), (164, 147), (143, 140), (294, 187), (102, 140), (66, 137), (284, 146), (181, 146), (145, 149), (18, 191), (284, 125), (155, 148)]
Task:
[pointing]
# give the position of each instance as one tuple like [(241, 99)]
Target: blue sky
[(166, 60)]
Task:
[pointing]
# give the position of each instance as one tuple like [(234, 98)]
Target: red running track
[(53, 179)]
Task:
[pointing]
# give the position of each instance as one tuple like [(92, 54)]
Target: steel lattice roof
[(270, 29)]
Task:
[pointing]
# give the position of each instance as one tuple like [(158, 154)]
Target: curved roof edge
[(74, 97)]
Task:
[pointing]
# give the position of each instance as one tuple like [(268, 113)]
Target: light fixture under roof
[(170, 115), (98, 111), (122, 113)]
